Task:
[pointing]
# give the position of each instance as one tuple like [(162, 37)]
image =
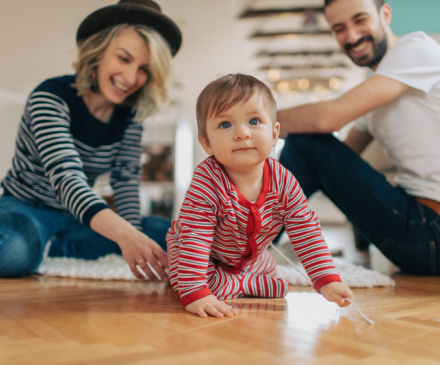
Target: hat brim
[(130, 14)]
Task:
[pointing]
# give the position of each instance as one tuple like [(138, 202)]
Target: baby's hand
[(337, 292), (211, 305)]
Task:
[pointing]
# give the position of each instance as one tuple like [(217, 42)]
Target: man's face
[(359, 30)]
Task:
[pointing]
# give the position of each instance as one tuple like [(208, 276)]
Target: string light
[(274, 75), (319, 89), (335, 83), (304, 84), (283, 87), (294, 84)]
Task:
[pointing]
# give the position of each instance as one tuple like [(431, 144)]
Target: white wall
[(38, 39), (213, 44)]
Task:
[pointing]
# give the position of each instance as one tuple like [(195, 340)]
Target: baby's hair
[(227, 91)]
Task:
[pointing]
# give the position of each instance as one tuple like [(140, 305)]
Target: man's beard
[(380, 48)]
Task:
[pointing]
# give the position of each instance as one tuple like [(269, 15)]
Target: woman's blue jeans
[(406, 232), (25, 229)]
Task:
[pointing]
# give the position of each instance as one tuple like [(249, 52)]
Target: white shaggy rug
[(113, 267), (355, 276)]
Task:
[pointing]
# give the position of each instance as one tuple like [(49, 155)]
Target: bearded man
[(401, 105)]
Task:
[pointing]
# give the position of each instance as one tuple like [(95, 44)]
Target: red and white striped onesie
[(218, 245)]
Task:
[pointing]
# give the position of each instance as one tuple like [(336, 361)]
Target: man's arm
[(330, 116)]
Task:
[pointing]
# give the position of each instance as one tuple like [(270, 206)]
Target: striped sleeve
[(304, 231), (125, 176), (197, 222), (50, 123)]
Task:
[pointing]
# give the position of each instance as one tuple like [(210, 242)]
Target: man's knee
[(309, 139), (306, 148), (297, 148)]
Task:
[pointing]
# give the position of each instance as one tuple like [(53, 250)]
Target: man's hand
[(337, 292), (210, 305)]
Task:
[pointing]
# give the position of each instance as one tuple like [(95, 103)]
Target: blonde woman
[(77, 127)]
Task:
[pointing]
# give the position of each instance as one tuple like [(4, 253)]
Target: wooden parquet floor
[(69, 321)]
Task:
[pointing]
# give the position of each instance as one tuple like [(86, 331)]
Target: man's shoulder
[(415, 42), (418, 37), (413, 54)]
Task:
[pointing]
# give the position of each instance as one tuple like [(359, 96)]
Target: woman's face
[(124, 66)]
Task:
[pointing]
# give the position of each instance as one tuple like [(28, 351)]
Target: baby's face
[(242, 137)]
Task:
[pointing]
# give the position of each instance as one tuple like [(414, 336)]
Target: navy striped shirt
[(62, 148)]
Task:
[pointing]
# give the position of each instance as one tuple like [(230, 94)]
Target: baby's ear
[(276, 133), (205, 144)]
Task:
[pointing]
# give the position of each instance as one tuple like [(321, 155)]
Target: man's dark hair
[(378, 3)]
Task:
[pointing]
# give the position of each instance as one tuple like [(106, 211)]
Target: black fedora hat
[(145, 12)]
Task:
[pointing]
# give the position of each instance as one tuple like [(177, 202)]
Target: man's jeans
[(25, 229), (405, 231)]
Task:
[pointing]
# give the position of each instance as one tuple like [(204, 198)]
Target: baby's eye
[(254, 121), (224, 125)]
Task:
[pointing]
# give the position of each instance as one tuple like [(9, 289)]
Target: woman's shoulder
[(57, 83), (60, 86), (56, 92)]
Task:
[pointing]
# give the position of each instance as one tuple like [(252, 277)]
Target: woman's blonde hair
[(149, 99)]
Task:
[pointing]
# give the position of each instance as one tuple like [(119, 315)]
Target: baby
[(238, 201)]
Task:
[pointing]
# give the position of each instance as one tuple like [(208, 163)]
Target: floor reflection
[(310, 311)]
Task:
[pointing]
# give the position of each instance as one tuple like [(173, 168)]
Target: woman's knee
[(21, 248)]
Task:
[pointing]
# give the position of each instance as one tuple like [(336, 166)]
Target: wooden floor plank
[(69, 321), (12, 328), (70, 352)]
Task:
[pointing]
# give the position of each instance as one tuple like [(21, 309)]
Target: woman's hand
[(136, 247), (211, 305), (337, 292), (139, 249)]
